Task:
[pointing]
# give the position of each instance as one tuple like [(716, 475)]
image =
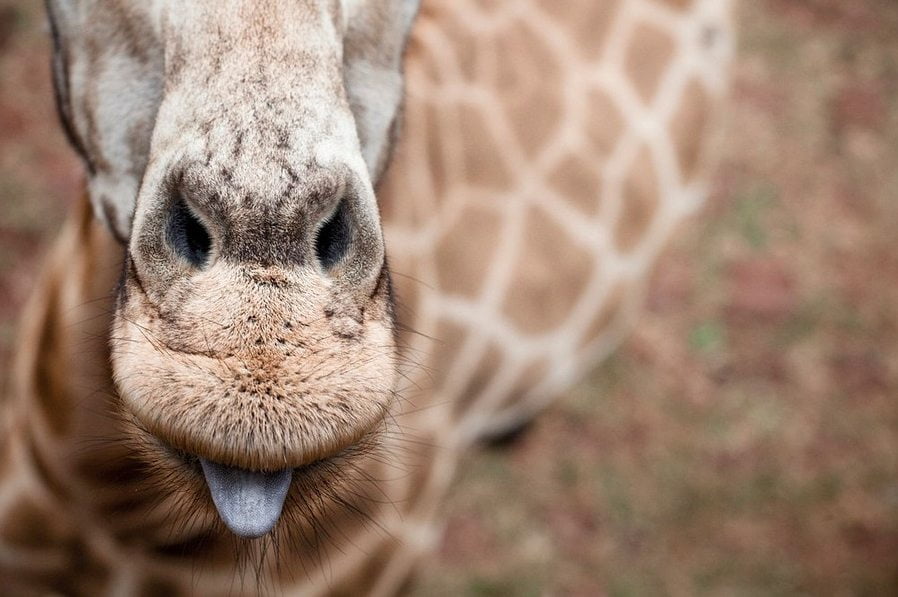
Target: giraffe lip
[(249, 502)]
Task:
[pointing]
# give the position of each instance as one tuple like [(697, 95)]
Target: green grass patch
[(708, 337), (750, 211)]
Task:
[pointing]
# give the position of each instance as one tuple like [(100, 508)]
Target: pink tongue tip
[(249, 502)]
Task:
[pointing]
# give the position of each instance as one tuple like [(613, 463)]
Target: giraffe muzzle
[(249, 502)]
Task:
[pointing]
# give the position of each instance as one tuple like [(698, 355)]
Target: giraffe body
[(547, 153)]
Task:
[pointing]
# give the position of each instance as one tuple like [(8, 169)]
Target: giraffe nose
[(331, 226), (188, 235)]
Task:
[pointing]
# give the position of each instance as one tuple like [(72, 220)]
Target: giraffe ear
[(107, 93), (376, 36)]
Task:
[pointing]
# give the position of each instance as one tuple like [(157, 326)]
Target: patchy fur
[(232, 148), (250, 366)]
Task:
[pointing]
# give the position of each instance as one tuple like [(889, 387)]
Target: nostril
[(334, 237), (187, 235)]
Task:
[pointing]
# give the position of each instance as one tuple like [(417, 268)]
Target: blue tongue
[(248, 502)]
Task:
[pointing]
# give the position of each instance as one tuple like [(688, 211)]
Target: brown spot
[(528, 83), (465, 253), (489, 7), (579, 181), (678, 4), (116, 478), (468, 48), (648, 56), (44, 471), (549, 277), (50, 377), (605, 125), (28, 525), (93, 575), (639, 203), (688, 128), (421, 65), (588, 22), (154, 586), (30, 583), (5, 456), (203, 546), (9, 16), (484, 161), (126, 504), (434, 146)]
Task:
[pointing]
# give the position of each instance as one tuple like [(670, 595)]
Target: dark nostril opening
[(334, 237), (187, 235)]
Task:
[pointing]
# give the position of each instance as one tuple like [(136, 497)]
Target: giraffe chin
[(249, 502)]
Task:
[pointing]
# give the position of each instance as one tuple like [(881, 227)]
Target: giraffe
[(547, 153)]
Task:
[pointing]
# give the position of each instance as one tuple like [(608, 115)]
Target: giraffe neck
[(58, 415), (80, 510), (594, 213), (69, 467)]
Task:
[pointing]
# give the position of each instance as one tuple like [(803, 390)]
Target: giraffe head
[(232, 146)]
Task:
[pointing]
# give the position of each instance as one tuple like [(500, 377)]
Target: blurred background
[(744, 441)]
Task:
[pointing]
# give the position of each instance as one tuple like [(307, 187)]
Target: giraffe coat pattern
[(546, 154)]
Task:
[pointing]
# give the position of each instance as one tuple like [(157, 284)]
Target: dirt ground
[(744, 441)]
